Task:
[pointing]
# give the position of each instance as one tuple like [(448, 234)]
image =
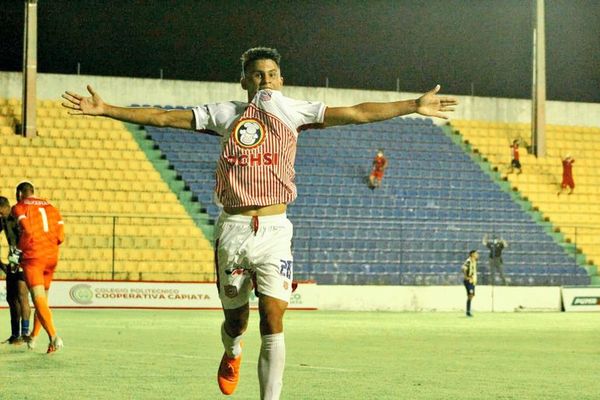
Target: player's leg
[(232, 330), (470, 294), (274, 280), (38, 275), (234, 284), (571, 186), (372, 181), (271, 362), (37, 328), (469, 299), (492, 271), (12, 298), (25, 308), (56, 342), (501, 272)]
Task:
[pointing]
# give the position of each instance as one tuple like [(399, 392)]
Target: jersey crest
[(249, 133)]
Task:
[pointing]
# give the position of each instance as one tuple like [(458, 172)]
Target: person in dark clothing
[(469, 270), (17, 294), (496, 245)]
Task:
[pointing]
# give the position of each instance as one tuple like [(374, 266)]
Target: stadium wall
[(438, 298), (124, 91), (308, 296)]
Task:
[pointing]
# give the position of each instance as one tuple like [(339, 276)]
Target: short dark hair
[(4, 202), (259, 53), (472, 252), (25, 187)]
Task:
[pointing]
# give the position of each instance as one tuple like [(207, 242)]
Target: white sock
[(271, 363), (232, 346)]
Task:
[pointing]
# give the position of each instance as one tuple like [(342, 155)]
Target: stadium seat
[(439, 188)]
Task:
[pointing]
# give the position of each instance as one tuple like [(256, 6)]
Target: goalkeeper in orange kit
[(42, 232)]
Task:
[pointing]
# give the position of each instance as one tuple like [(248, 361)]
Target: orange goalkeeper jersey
[(42, 229)]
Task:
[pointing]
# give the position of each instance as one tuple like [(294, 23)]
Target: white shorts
[(249, 255)]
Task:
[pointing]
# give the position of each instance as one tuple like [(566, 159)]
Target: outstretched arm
[(430, 104), (94, 105)]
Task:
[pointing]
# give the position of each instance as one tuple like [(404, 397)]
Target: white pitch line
[(188, 356)]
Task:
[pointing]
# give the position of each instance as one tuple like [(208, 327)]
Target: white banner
[(173, 295), (581, 298)]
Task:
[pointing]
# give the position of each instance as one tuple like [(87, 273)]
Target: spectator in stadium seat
[(515, 162), (379, 165), (255, 182), (41, 232), (469, 269), (567, 175), (16, 288), (496, 245)]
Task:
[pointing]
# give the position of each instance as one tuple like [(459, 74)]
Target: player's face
[(4, 211), (261, 74)]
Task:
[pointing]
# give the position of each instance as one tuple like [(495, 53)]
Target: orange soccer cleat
[(55, 345), (229, 373)]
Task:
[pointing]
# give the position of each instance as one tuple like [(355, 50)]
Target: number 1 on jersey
[(44, 219)]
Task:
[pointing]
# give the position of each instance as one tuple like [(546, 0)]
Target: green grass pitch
[(140, 354)]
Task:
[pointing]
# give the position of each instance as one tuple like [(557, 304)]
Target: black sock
[(469, 306)]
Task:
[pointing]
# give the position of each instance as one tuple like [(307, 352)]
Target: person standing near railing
[(515, 162), (379, 166), (567, 175), (496, 246)]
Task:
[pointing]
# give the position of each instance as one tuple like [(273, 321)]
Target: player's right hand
[(80, 105)]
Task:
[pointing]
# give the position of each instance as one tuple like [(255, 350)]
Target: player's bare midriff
[(259, 211)]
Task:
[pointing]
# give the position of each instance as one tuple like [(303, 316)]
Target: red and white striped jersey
[(258, 146)]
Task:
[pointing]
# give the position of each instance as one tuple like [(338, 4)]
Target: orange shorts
[(39, 271), (377, 174)]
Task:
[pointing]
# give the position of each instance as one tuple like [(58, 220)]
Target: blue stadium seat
[(434, 205)]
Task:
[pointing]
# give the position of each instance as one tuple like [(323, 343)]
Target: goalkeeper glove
[(14, 256)]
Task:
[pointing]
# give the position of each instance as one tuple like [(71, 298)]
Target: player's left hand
[(14, 256), (432, 105)]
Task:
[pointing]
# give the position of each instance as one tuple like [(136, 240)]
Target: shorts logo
[(231, 291), (249, 133), (81, 294)]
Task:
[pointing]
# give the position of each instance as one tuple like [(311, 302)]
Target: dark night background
[(355, 44)]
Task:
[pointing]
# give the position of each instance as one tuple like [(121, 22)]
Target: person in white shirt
[(255, 182)]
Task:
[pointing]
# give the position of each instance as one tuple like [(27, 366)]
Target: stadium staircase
[(122, 220), (434, 206), (575, 219)]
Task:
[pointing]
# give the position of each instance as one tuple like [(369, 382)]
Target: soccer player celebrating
[(469, 269), (42, 232), (255, 182)]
